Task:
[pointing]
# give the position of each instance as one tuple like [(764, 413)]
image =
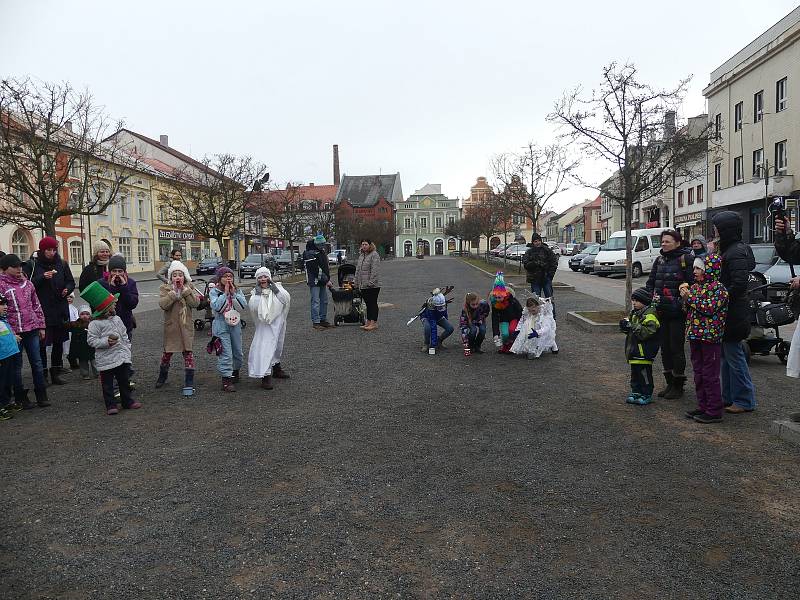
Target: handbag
[(232, 317)]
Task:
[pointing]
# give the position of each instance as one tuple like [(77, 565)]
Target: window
[(655, 241), (737, 116), (19, 244), (641, 244), (680, 198), (438, 222), (451, 221), (758, 106), (758, 161), (407, 222), (75, 252), (423, 222), (124, 205), (690, 196), (781, 158), (757, 220), (141, 206), (699, 194), (738, 173), (75, 169), (125, 245), (143, 247), (718, 126), (717, 176), (780, 95)]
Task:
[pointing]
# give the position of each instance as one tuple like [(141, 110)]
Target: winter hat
[(263, 271), (438, 300), (499, 297), (48, 243), (117, 262), (98, 246), (177, 265), (10, 260), (699, 263), (701, 239), (535, 237), (642, 295), (729, 225), (84, 309), (319, 239), (222, 271), (99, 298)]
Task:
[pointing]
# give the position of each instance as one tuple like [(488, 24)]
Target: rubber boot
[(266, 382), (235, 376), (278, 372), (676, 391), (21, 398), (228, 384), (55, 377), (73, 363), (670, 380), (188, 382), (163, 371), (41, 398)]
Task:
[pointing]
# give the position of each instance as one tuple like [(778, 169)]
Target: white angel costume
[(543, 324), (269, 308)]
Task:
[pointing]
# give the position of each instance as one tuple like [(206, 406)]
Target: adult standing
[(788, 247), (98, 267), (163, 272), (53, 281), (269, 304), (738, 392), (318, 278), (368, 281), (699, 246), (670, 269), (541, 264)]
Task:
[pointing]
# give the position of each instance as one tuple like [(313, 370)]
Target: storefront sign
[(688, 218), (174, 234)]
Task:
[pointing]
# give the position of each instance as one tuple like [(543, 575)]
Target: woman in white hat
[(269, 303)]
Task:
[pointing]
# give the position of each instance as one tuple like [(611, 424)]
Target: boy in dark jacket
[(641, 345)]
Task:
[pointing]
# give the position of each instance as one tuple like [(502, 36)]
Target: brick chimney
[(163, 140), (336, 177), (669, 124)]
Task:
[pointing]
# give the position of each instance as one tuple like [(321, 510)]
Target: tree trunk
[(223, 249), (628, 254)]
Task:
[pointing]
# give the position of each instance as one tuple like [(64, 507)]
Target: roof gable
[(364, 191)]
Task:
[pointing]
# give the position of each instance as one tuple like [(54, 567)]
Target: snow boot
[(228, 384), (188, 383), (55, 376), (670, 380), (41, 398), (631, 399), (163, 371), (266, 383), (676, 391), (278, 372), (642, 399), (21, 398)]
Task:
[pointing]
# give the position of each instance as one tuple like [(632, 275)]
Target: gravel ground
[(378, 471)]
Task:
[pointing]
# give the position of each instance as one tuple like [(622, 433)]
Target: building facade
[(422, 220), (592, 224)]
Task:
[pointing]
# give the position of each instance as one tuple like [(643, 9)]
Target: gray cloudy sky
[(429, 89)]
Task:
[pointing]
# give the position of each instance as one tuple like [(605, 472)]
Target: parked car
[(498, 249), (554, 247), (571, 249), (587, 264), (576, 259), (208, 265), (516, 252), (646, 247), (253, 262), (333, 257), (766, 256), (284, 260)]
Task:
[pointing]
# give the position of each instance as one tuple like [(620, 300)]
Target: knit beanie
[(535, 237), (84, 309), (48, 243), (177, 265), (98, 246), (263, 271), (642, 295), (222, 271), (699, 263), (319, 239), (10, 260), (117, 262)]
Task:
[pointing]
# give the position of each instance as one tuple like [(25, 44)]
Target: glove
[(533, 334), (624, 325), (497, 341)]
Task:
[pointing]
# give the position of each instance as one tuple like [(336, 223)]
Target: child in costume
[(641, 345), (79, 348), (537, 329), (177, 299), (108, 336), (433, 316), (227, 327), (706, 306), (506, 312), (9, 348), (73, 316), (269, 304), (473, 323)]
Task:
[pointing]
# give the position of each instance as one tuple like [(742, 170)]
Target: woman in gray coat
[(368, 281)]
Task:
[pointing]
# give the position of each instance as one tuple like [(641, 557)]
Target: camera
[(777, 209)]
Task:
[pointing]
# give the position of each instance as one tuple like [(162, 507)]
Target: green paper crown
[(99, 298)]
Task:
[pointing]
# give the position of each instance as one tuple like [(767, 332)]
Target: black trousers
[(122, 375), (673, 346), (642, 379), (370, 296)]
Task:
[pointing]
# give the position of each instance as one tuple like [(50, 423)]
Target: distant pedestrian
[(473, 323), (641, 345), (163, 273), (706, 304), (318, 279), (108, 336), (227, 327), (177, 299), (671, 268), (97, 269), (269, 305), (540, 264), (738, 391), (368, 281)]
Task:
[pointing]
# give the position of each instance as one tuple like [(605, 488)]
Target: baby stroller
[(766, 319), (348, 307), (205, 306)]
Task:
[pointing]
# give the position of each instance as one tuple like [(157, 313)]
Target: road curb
[(591, 326), (556, 284), (786, 430)]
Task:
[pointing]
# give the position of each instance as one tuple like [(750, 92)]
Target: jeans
[(120, 374), (706, 365), (319, 303), (737, 386), (443, 323), (475, 336), (545, 290), (6, 379), (642, 379), (30, 344), (370, 296), (673, 346), (231, 338)]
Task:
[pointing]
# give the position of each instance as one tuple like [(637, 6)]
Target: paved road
[(379, 471)]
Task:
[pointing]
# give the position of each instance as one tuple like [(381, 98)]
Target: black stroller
[(205, 307), (348, 307), (766, 319)]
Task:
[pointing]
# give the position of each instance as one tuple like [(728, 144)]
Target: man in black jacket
[(738, 261), (540, 264), (318, 278)]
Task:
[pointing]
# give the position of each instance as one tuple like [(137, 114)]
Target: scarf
[(269, 307)]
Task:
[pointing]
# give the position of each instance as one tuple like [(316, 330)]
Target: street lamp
[(257, 187), (765, 171)]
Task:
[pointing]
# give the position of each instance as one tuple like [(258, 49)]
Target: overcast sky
[(431, 89)]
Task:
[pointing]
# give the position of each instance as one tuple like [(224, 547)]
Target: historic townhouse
[(422, 220)]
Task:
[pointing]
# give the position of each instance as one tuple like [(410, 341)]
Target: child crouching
[(537, 329), (473, 323), (641, 345), (107, 335)]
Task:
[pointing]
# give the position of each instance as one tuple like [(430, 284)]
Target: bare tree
[(284, 214), (54, 159), (211, 199), (487, 218), (323, 220), (623, 123)]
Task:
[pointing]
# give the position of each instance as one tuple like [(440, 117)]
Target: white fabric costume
[(544, 324), (793, 362), (269, 310)]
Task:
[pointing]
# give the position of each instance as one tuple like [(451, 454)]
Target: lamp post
[(258, 186), (765, 172)]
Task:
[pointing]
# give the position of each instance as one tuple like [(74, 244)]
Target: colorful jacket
[(8, 340), (477, 318), (24, 311), (641, 342), (707, 305)]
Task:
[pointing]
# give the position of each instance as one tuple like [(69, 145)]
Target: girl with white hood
[(269, 303)]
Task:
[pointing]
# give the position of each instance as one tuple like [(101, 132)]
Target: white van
[(646, 247)]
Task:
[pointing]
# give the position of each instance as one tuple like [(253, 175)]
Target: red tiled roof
[(319, 193)]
